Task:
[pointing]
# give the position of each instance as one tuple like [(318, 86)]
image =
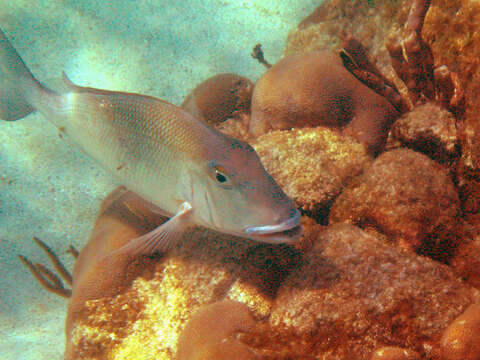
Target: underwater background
[(50, 189)]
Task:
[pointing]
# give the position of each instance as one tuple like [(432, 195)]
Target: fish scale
[(180, 165)]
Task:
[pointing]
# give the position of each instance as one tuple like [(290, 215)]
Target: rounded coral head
[(220, 97), (314, 89)]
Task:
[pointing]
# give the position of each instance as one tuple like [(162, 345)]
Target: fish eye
[(219, 174), (221, 178)]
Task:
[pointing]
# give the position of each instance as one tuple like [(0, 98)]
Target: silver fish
[(184, 168)]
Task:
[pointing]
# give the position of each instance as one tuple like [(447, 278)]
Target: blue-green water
[(51, 190)]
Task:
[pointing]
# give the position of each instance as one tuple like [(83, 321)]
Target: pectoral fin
[(163, 237)]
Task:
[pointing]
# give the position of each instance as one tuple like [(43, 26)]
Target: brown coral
[(314, 89), (351, 293), (220, 97), (209, 333), (461, 340), (354, 292), (394, 353), (97, 273)]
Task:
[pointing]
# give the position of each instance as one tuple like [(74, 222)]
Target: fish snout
[(287, 231)]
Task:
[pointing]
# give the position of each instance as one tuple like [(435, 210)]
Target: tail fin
[(14, 79)]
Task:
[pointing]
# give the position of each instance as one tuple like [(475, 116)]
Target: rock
[(461, 340), (147, 318), (408, 197), (466, 261), (350, 292), (369, 22), (208, 333), (394, 353), (219, 98), (429, 129), (353, 292), (97, 275), (315, 89), (311, 165), (451, 31)]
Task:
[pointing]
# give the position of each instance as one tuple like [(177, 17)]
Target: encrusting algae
[(406, 196), (312, 165), (389, 285)]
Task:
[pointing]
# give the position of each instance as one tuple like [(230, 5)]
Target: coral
[(414, 65), (353, 292), (467, 259), (413, 61), (406, 196), (220, 97), (355, 59), (257, 53), (311, 165), (314, 89), (208, 334), (394, 353), (429, 129), (97, 273), (451, 31), (461, 340), (47, 278), (141, 317), (372, 23), (342, 290), (198, 272)]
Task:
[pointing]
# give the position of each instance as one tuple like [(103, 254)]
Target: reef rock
[(461, 340), (406, 196), (311, 165), (219, 98), (354, 292), (467, 258), (429, 129), (450, 29), (351, 292), (394, 353), (315, 89)]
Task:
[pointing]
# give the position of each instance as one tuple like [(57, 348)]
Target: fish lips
[(288, 231)]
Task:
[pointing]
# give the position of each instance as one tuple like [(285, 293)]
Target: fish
[(179, 165)]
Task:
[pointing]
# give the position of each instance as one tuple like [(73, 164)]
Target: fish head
[(236, 195)]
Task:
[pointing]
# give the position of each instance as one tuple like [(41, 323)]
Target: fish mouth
[(288, 231)]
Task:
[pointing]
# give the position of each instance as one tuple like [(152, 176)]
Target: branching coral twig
[(449, 91), (47, 278), (415, 65), (257, 53), (413, 62), (72, 251), (355, 59)]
